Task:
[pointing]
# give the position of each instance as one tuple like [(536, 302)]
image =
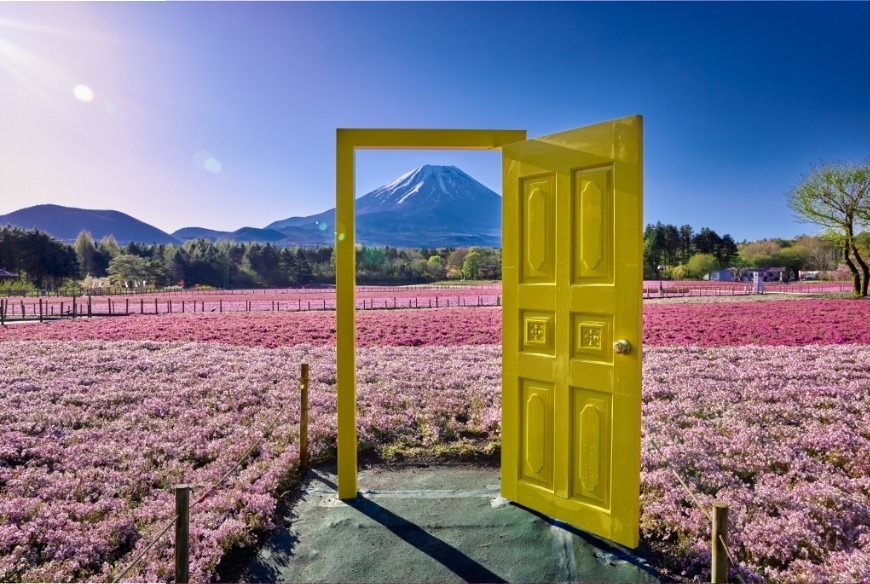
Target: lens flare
[(322, 225), (83, 93), (207, 162)]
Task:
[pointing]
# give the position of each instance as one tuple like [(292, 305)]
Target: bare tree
[(837, 197)]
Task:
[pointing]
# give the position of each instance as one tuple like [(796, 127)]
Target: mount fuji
[(430, 206)]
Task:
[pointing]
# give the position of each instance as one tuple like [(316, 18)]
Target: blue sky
[(224, 115)]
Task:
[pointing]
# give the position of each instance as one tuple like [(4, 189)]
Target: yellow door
[(572, 277)]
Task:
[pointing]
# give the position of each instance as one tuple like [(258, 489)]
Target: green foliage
[(471, 265), (701, 264), (668, 245), (131, 269), (17, 288), (37, 257), (435, 268), (836, 196), (86, 252), (793, 259), (231, 265)]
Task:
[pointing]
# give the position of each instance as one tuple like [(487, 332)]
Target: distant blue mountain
[(65, 223), (430, 206), (243, 235)]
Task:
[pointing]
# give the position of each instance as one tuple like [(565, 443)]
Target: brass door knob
[(622, 347)]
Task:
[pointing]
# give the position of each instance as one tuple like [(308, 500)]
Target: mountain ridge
[(429, 206), (65, 224)]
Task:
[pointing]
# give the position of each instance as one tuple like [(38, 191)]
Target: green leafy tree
[(435, 267), (701, 264), (836, 196), (793, 259), (86, 252), (471, 265), (131, 268), (455, 262)]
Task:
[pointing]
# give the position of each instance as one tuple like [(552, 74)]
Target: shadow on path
[(411, 533)]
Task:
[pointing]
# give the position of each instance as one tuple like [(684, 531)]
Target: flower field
[(708, 324), (96, 434), (765, 405), (275, 300)]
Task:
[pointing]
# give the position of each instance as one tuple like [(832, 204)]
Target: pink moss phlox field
[(443, 327), (782, 434), (790, 323), (93, 436)]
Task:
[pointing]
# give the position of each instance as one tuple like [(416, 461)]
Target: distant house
[(767, 274), (7, 275), (721, 276)]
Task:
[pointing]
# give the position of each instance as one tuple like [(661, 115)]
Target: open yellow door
[(572, 278)]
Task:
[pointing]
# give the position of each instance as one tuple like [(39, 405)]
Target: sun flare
[(83, 93)]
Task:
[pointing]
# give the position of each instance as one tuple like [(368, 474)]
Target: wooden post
[(221, 303), (719, 568), (141, 306), (127, 306), (182, 533), (303, 418), (155, 306), (40, 310), (89, 307)]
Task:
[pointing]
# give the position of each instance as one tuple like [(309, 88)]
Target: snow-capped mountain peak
[(429, 206), (426, 187)]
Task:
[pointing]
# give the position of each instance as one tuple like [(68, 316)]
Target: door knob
[(622, 347)]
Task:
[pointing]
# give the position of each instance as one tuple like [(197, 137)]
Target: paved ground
[(435, 524)]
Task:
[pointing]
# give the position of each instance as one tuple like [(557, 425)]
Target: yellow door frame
[(347, 142)]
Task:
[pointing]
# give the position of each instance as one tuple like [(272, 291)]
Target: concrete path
[(435, 524)]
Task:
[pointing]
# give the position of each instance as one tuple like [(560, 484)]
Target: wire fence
[(651, 289), (303, 458), (25, 292), (716, 536), (672, 289), (45, 309)]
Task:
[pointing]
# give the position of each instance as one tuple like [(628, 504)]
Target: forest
[(670, 252), (44, 262)]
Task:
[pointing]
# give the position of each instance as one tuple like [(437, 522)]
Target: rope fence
[(718, 527), (182, 492)]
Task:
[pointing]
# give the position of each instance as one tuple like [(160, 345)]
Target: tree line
[(45, 262), (681, 252)]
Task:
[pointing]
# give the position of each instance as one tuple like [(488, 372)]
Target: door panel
[(572, 287)]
